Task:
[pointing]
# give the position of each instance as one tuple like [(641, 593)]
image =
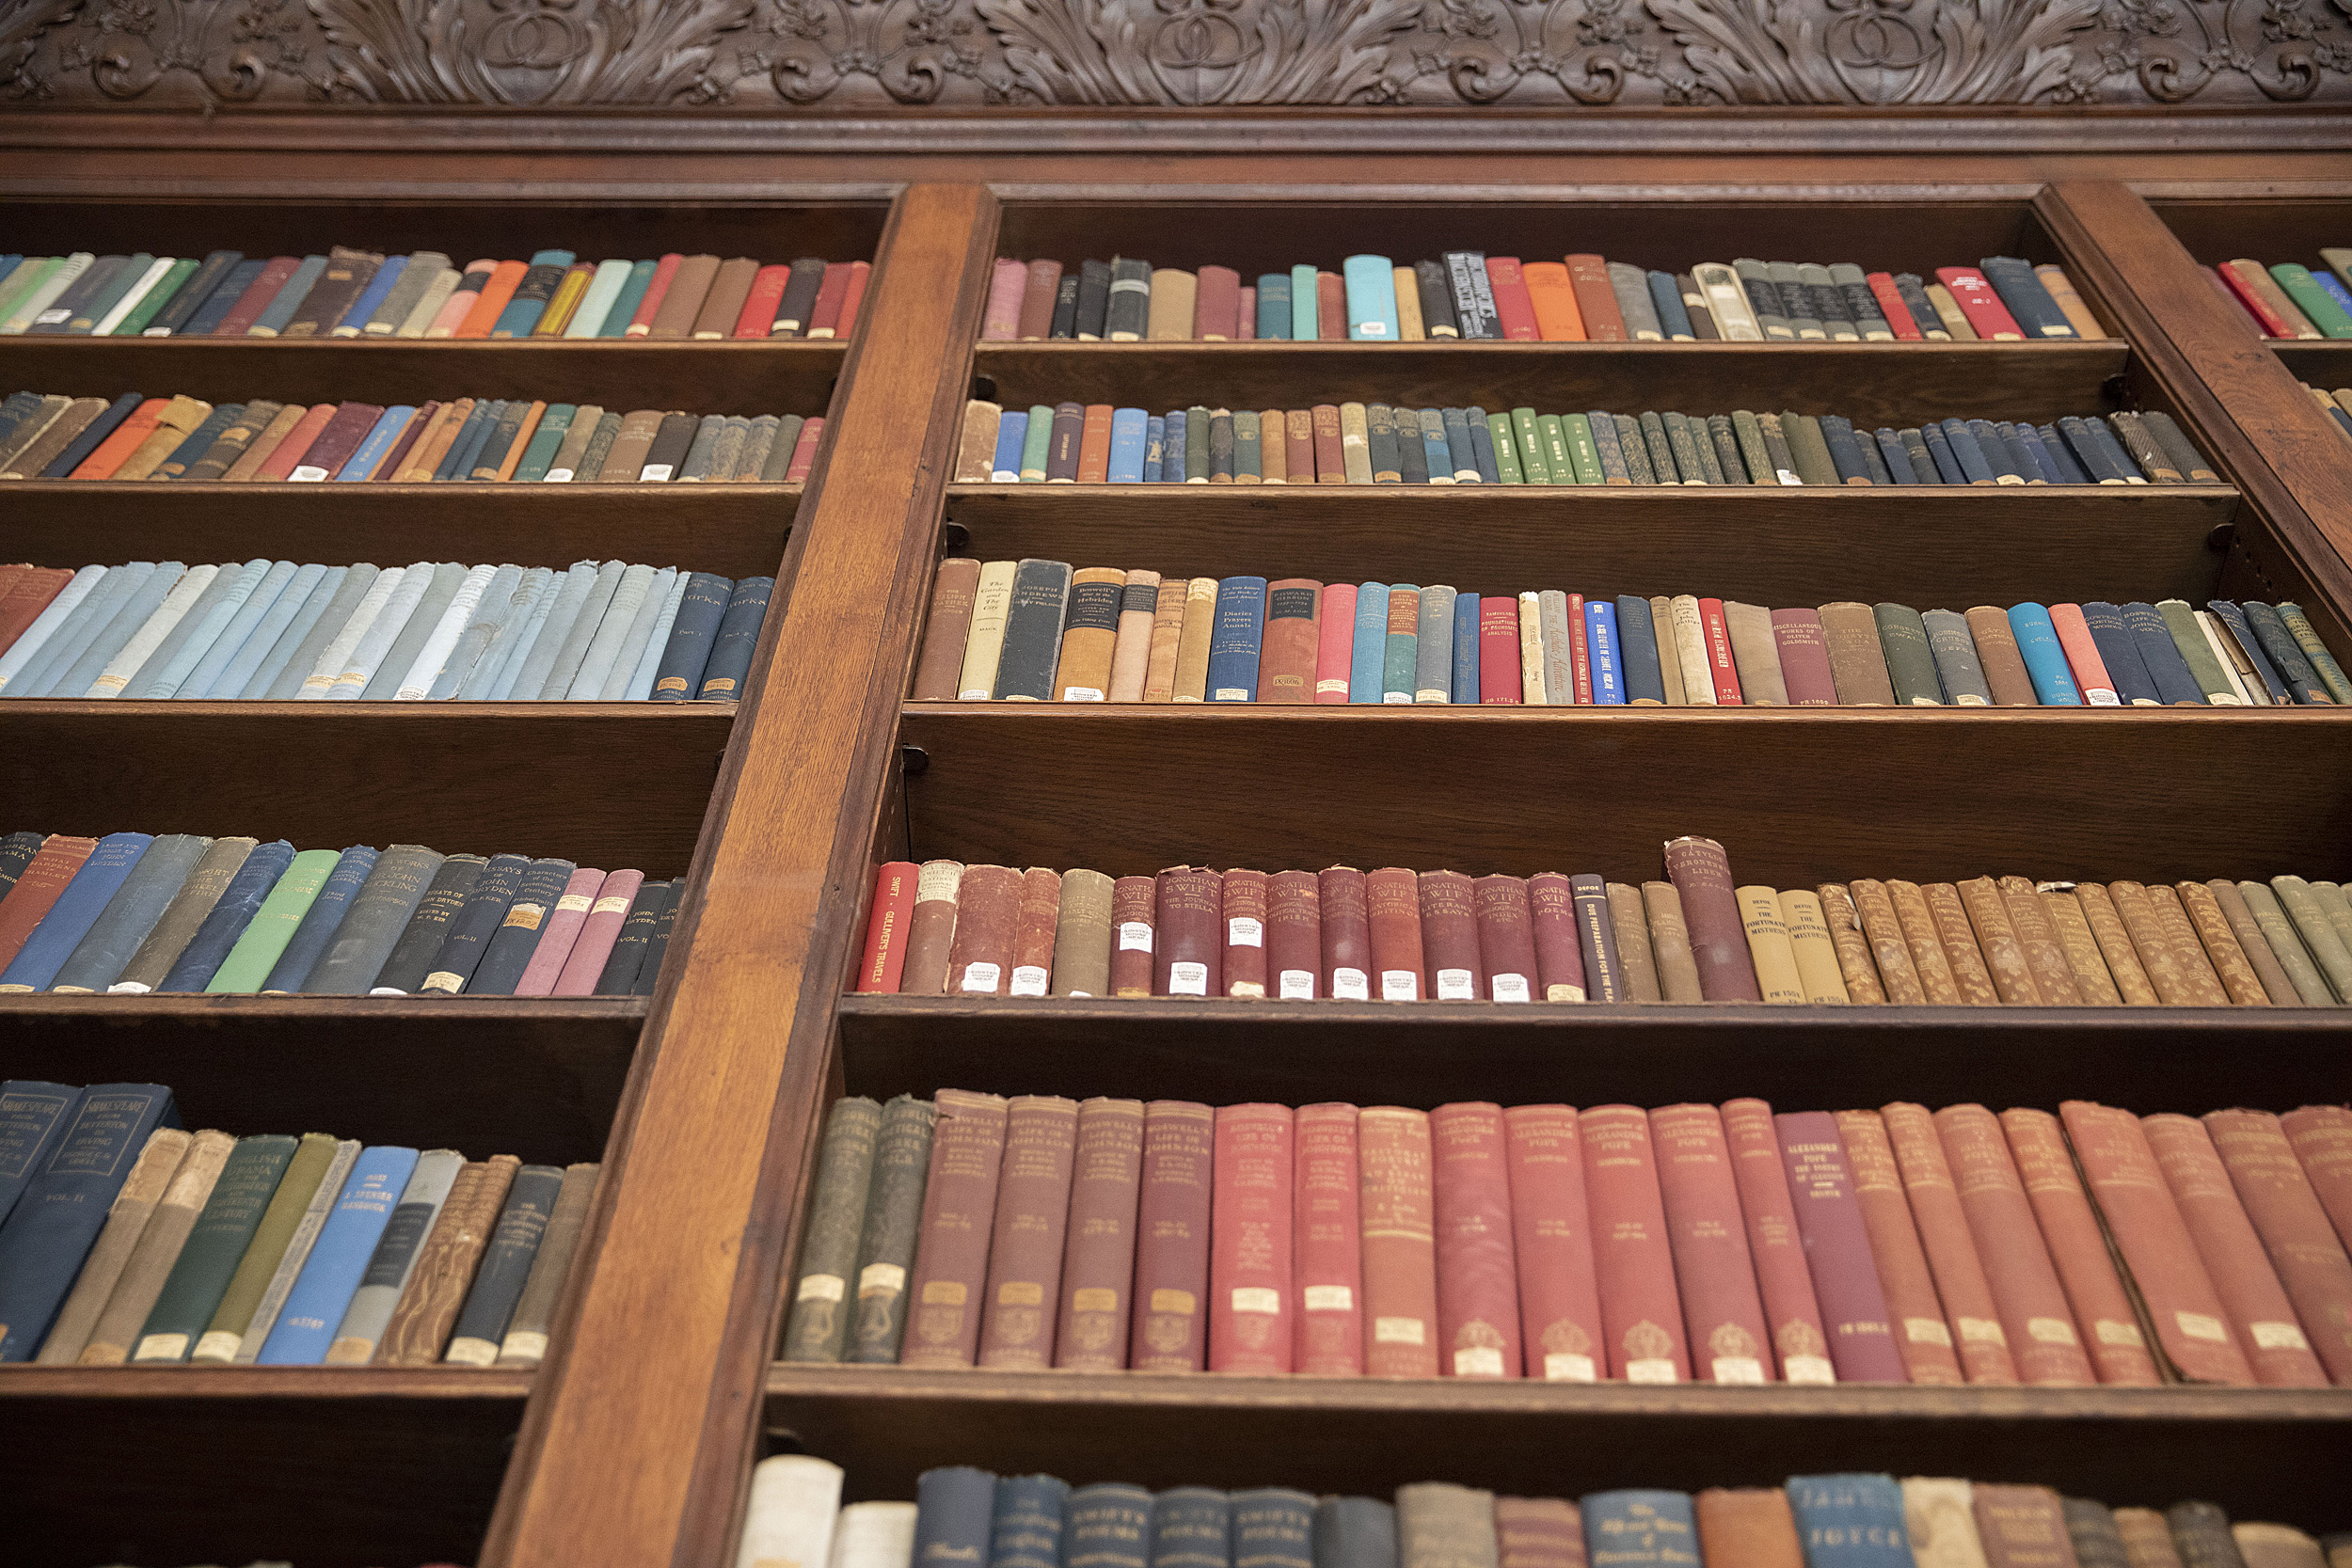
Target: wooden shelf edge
[(244, 1383), (946, 1011), (472, 1009), (1701, 495), (2105, 347), (1458, 714)]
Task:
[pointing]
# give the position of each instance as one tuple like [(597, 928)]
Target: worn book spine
[(256, 1265), (1669, 944), (1769, 947), (2258, 1305), (2079, 1249), (959, 1213), (1478, 1318), (931, 930), (525, 1340), (942, 659), (1345, 922), (1560, 1310), (817, 1326), (1749, 1526), (887, 1243), (1082, 935), (1968, 1306), (1922, 1336), (1633, 1257), (1399, 1242), (1722, 1307), (102, 1249), (1327, 1230), (201, 1274), (1024, 1259), (1243, 963), (2036, 1317), (1506, 940), (1862, 1345), (988, 912), (1098, 1264), (1251, 1321), (1133, 907), (438, 1175), (1169, 1332), (1188, 933), (1701, 873), (2285, 1213), (1555, 927)]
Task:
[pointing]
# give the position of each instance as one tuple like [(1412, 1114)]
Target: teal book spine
[(1400, 655), (1849, 1521), (75, 912), (624, 302), (1370, 657), (282, 305), (1466, 648), (214, 1247), (1274, 306), (273, 925), (306, 1325), (1370, 282), (1304, 326), (1640, 1530), (63, 1207), (2045, 659), (33, 1117)]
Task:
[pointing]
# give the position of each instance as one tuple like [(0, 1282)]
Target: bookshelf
[(633, 1442)]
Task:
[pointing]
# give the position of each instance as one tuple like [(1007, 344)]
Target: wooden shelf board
[(282, 1383), (2323, 365)]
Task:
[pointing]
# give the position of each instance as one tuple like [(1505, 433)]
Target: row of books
[(350, 292), (123, 1239), (1037, 631), (2288, 299), (528, 442), (1355, 443), (2337, 405), (602, 631), (136, 913), (1396, 935), (1468, 296), (1689, 1241)]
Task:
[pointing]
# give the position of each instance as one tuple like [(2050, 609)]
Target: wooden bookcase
[(633, 1443)]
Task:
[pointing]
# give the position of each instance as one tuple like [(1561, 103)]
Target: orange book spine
[(493, 300), (110, 453), (1094, 445), (1557, 319), (2082, 655), (298, 442)]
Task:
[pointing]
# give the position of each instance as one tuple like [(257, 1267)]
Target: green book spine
[(894, 1217), (1247, 452), (1752, 451), (2313, 300), (1687, 459), (818, 1329), (1530, 441), (546, 442), (2307, 637), (1805, 445), (1401, 653), (1506, 450), (1910, 660), (259, 1260), (1576, 433), (1036, 442), (2203, 668), (258, 950), (193, 1290), (1552, 436), (152, 303), (1197, 420), (2319, 933), (2311, 986)]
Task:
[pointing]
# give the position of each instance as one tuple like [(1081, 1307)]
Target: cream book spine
[(789, 1520)]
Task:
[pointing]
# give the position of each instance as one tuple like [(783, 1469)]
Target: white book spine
[(130, 300), (418, 683), (874, 1535), (788, 1523)]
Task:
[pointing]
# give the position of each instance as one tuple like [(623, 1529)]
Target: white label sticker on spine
[(1563, 1367), (2051, 1331), (1257, 1298), (982, 977), (2201, 1325), (1331, 1298), (881, 1279), (469, 1352), (1298, 985), (1187, 979), (1456, 985), (1738, 1369), (1081, 694), (1399, 985), (1397, 1331), (653, 473), (1350, 985), (1478, 1361), (1657, 1370), (557, 476), (1404, 697), (1563, 993), (1508, 988), (1133, 937), (821, 1287), (2277, 1336), (1243, 931), (1029, 980), (573, 903), (524, 1346), (1808, 1369), (2113, 1332), (611, 906), (309, 473), (1231, 694)]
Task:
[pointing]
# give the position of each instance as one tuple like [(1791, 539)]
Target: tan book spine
[(1532, 690), (1818, 968), (1890, 949), (1997, 938), (1669, 660), (433, 442), (1631, 926), (1355, 444), (133, 1298), (992, 601), (1131, 654), (1084, 674), (1768, 945), (1857, 661), (126, 1219), (2158, 957), (2286, 945), (257, 449), (1168, 633), (2084, 960), (1192, 649), (173, 426), (1854, 964), (2268, 1545), (2070, 303), (1173, 294), (1756, 653), (1689, 640), (1273, 447), (2198, 974), (976, 457), (2147, 1539), (444, 1271), (1926, 946), (1955, 318), (1669, 944), (1409, 326), (2276, 982), (1941, 1525), (1969, 974), (1082, 935), (626, 458), (2115, 945), (2005, 674), (575, 446), (2045, 955), (2231, 968)]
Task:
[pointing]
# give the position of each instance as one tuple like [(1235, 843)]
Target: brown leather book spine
[(1393, 910), (1330, 308), (2115, 945), (2231, 968), (1131, 658), (1329, 452), (2321, 1136), (436, 1294), (1595, 301), (1399, 1218), (1286, 667), (1856, 661), (931, 929), (2251, 945), (1327, 1231), (1273, 446), (2285, 1213), (1134, 903), (1506, 938), (1970, 979), (2020, 1526), (1701, 873), (1099, 1256), (1036, 300), (1855, 963), (1997, 935), (2251, 1293), (1342, 894), (1536, 1532), (1782, 1275), (1293, 936), (1749, 1527), (1559, 951), (2036, 1317), (975, 449), (1890, 944), (1922, 1337), (1168, 632), (1641, 1311), (2079, 1249), (1961, 1284), (1478, 1292), (1217, 305), (1298, 444), (1035, 933), (2045, 954), (2084, 961), (2152, 944), (1243, 962), (1082, 935), (987, 915), (950, 627), (1670, 944), (1189, 957), (689, 287), (2147, 1539), (959, 1217), (1551, 1225), (1722, 1309), (2201, 980), (1448, 935), (1630, 923), (1024, 1250), (2005, 674)]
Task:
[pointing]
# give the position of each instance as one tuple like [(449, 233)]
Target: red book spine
[(988, 911), (1327, 1227), (1975, 296), (1959, 1278), (1189, 935), (1559, 951), (1037, 299), (886, 926), (824, 316), (1580, 654), (275, 276), (1217, 305), (1720, 667), (1499, 673), (1293, 650), (959, 1214), (1330, 307), (1399, 1242), (43, 879), (1478, 1290), (1392, 901), (2285, 1213), (2082, 655), (2321, 1136), (1099, 1257), (804, 451), (1244, 961), (2192, 1326), (1641, 1314), (664, 270), (1246, 321), (853, 295), (1891, 306), (2235, 1261), (1034, 933), (1347, 934), (1134, 900), (1299, 447), (1552, 1225), (1448, 934), (1775, 1244), (1837, 1249), (1804, 658), (284, 456), (1513, 307), (1922, 1337), (2037, 1319), (1538, 1532), (1335, 641), (1249, 1254), (1293, 952), (585, 964), (2079, 1249), (1172, 1238), (1024, 1250), (2272, 324), (760, 305), (1000, 319), (1720, 1307), (1506, 938)]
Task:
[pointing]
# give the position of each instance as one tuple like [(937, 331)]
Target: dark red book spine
[(1640, 1312), (1172, 1287), (1512, 308), (1551, 1225), (1399, 1242), (1579, 653), (959, 1217), (988, 912), (1499, 673), (1327, 1228), (885, 958), (824, 316), (2285, 1213), (1775, 1244), (1134, 900), (2321, 1136), (1250, 1252), (1720, 666), (2234, 1260), (1506, 938), (1040, 921), (1701, 873), (853, 295), (1922, 1337), (2070, 1228), (1552, 926), (1449, 936), (1347, 934), (1330, 307), (1244, 896), (1961, 1284), (1037, 299), (1024, 1252), (1293, 936), (759, 307), (2036, 1320), (1720, 1307), (1478, 1290), (1099, 1258), (1837, 1249), (1392, 899), (1189, 933)]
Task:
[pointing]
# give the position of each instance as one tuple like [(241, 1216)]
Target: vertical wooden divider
[(640, 1431)]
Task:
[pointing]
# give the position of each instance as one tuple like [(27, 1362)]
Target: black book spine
[(1482, 441), (201, 286), (1062, 451), (1412, 452), (670, 444), (1033, 625), (629, 948), (470, 934), (1829, 305), (1438, 319), (1065, 323), (517, 935), (505, 1265), (1129, 310), (1094, 301), (1380, 438), (729, 667), (1733, 468), (495, 446), (421, 939), (68, 305), (1913, 294), (1220, 445), (658, 941), (800, 297)]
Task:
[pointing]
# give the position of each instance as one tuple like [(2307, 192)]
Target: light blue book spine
[(1013, 431), (638, 638), (1303, 305), (224, 578), (1640, 1530), (649, 662), (306, 1326), (240, 628), (1369, 658), (582, 631), (1466, 648), (267, 632), (557, 603), (588, 320), (1154, 444), (90, 617), (363, 463), (604, 645), (275, 667), (136, 609), (2045, 658), (355, 318), (1600, 639), (440, 591), (1849, 1521), (282, 305), (166, 682), (1129, 428), (75, 912), (1370, 299), (536, 590), (22, 653), (480, 633)]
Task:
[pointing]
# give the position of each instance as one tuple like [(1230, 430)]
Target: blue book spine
[(1996, 452), (729, 667), (1110, 1527), (371, 297), (222, 300), (625, 303), (2162, 656), (1600, 638), (2030, 439), (320, 920), (1435, 447), (1369, 656), (1640, 1530), (2045, 660), (282, 305), (33, 1117), (307, 1325), (239, 630), (1482, 444), (371, 452), (1637, 652), (1172, 449), (78, 909), (1947, 462), (1665, 294), (1355, 1532), (1012, 429), (1191, 1527), (2070, 467), (1130, 429), (98, 430), (1303, 324), (61, 1210), (1975, 468), (1370, 299), (194, 969), (699, 616), (1849, 1521), (1461, 457), (1466, 648), (1026, 1526), (2334, 287), (264, 638), (1154, 449), (458, 462), (1898, 461), (953, 1512), (2229, 615), (2119, 653), (1274, 306), (1234, 643), (1274, 1527)]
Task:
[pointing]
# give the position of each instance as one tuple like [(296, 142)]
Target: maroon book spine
[(2294, 1228), (1250, 1252), (2078, 1248), (1837, 1249), (1392, 904), (2036, 1318), (1506, 938), (1400, 1243), (1327, 1228), (988, 913), (1804, 658), (1293, 936), (959, 1214), (1640, 1313), (1961, 1282), (1551, 1225), (1538, 1532), (1189, 938), (1346, 935), (1133, 901), (1040, 921), (1099, 1258), (1024, 1252), (2240, 1270), (1922, 1337), (1478, 1290), (1244, 904), (1552, 925), (1721, 1309), (1775, 1244), (1172, 1288), (1701, 873), (1449, 936), (2321, 1136)]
